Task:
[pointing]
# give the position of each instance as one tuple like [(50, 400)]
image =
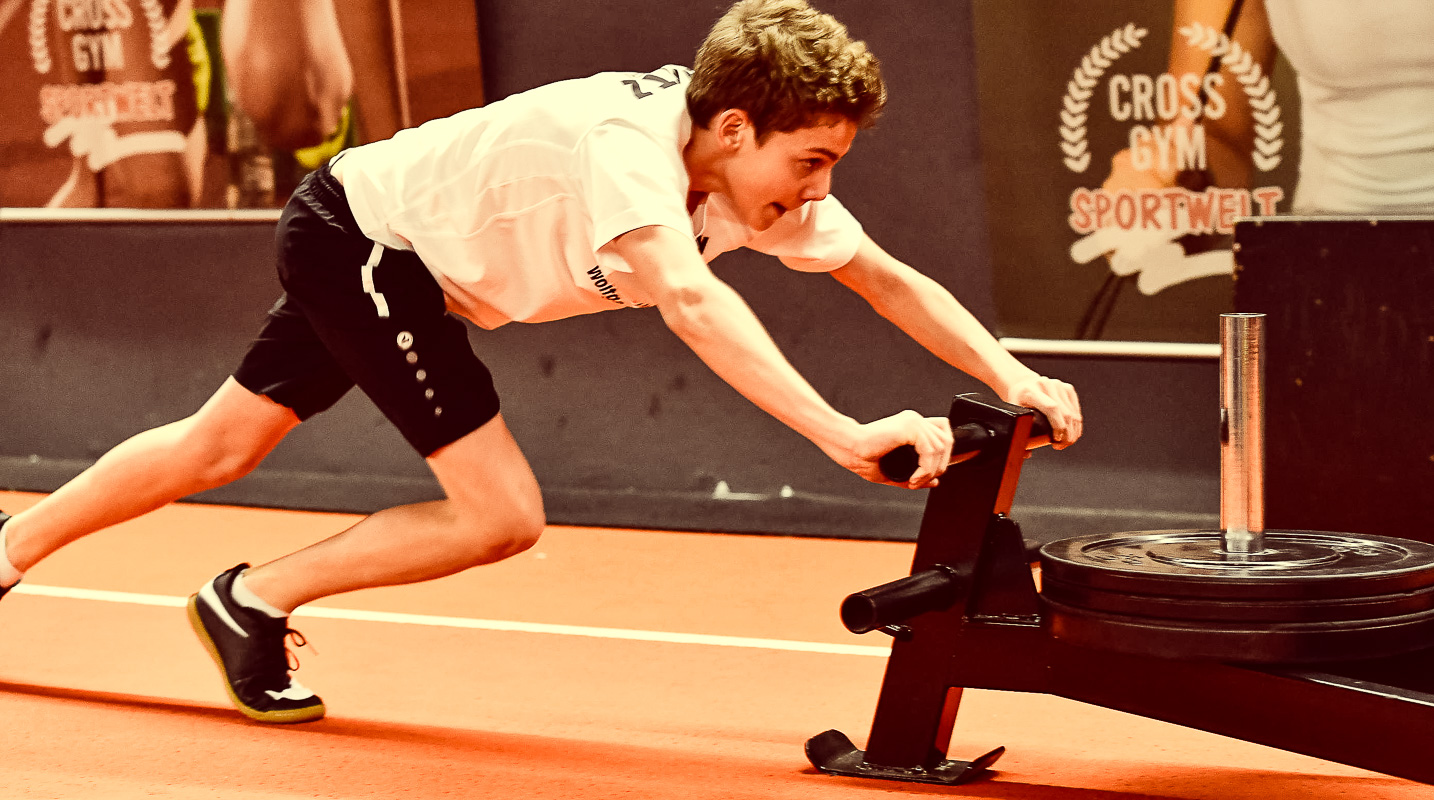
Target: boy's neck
[(702, 157)]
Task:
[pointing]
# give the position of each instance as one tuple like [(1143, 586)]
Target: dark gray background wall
[(108, 328)]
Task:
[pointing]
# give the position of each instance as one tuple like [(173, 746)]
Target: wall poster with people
[(1120, 141), (175, 104)]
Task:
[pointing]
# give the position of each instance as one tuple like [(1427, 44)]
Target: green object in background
[(199, 63), (311, 157), (210, 81)]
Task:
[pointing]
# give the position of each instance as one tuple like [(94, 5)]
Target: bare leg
[(493, 510), (223, 441)]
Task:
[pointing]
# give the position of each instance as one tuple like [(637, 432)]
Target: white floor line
[(321, 612)]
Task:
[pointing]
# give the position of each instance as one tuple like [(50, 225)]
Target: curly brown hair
[(787, 65)]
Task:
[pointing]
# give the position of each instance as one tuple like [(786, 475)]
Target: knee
[(501, 534), (227, 465), (521, 531), (215, 459)]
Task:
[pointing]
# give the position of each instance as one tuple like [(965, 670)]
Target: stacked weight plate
[(1307, 596), (1241, 593)]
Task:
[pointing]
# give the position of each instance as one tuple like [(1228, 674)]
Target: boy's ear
[(733, 126)]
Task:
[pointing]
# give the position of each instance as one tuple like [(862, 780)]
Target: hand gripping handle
[(899, 464)]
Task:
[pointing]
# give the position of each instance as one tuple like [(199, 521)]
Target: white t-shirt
[(1366, 80), (509, 204)]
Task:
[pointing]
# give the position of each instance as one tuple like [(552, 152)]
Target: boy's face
[(787, 169)]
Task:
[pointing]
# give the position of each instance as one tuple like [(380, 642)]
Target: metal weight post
[(970, 616), (1242, 433)]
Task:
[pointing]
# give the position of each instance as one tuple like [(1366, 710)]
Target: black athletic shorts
[(354, 312)]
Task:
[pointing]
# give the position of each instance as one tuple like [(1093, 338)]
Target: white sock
[(9, 576), (245, 596)]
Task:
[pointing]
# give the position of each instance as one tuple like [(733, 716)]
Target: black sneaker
[(4, 518), (248, 646)]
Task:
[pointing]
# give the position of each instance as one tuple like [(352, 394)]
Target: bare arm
[(287, 67), (1231, 135), (712, 319), (929, 314)]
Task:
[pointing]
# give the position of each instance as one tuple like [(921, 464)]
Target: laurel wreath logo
[(39, 47), (1082, 85), (154, 18), (1264, 109), (158, 47)]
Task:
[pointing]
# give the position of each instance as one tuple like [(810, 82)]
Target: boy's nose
[(818, 188)]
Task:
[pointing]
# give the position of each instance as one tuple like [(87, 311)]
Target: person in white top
[(1366, 80), (602, 193), (1365, 73), (480, 195)]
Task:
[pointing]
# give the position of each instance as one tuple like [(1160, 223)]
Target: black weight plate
[(1298, 565), (1262, 609), (1241, 642)]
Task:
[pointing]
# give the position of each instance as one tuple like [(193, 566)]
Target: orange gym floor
[(601, 664)]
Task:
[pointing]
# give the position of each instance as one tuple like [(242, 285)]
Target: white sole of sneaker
[(287, 717)]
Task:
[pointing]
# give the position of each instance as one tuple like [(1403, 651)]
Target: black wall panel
[(1349, 360)]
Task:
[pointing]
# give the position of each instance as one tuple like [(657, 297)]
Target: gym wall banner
[(134, 104), (1119, 145)]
